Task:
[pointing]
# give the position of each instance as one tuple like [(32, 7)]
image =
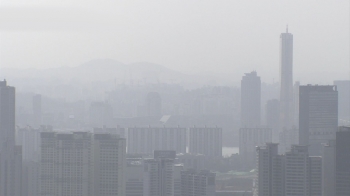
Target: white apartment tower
[(145, 140), (206, 141)]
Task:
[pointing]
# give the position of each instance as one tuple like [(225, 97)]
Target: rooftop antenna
[(287, 28)]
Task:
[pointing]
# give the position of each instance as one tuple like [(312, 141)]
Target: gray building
[(250, 100), (81, 163), (342, 160), (197, 183), (10, 154), (249, 138), (343, 87), (328, 169), (134, 177), (286, 80), (292, 174), (318, 116)]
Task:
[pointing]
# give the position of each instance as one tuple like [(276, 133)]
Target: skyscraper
[(8, 151), (286, 80), (318, 116), (250, 100)]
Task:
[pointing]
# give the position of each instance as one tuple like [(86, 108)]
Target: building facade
[(250, 100), (318, 116), (145, 140), (197, 183)]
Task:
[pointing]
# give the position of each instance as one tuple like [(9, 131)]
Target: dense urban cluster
[(280, 139)]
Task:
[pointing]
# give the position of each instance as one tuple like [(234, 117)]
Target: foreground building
[(82, 163), (292, 174), (197, 183)]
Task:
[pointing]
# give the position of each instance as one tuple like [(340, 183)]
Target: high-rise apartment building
[(318, 116), (158, 177), (249, 138), (270, 171), (297, 172), (292, 174), (10, 154), (145, 140), (82, 163), (206, 141), (315, 163), (250, 100), (134, 177), (109, 164), (286, 80), (328, 169), (197, 183)]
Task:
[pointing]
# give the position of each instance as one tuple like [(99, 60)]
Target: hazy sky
[(233, 36)]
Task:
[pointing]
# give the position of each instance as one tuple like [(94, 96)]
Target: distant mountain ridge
[(100, 70)]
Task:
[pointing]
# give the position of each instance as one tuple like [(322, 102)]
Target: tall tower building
[(250, 100), (9, 153), (37, 112), (286, 80), (318, 116)]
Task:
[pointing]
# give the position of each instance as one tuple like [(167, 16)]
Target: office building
[(318, 116), (343, 87), (342, 160), (250, 100), (287, 138), (249, 138), (206, 141), (286, 80), (197, 183), (82, 163), (145, 140), (10, 154), (272, 118), (191, 161)]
